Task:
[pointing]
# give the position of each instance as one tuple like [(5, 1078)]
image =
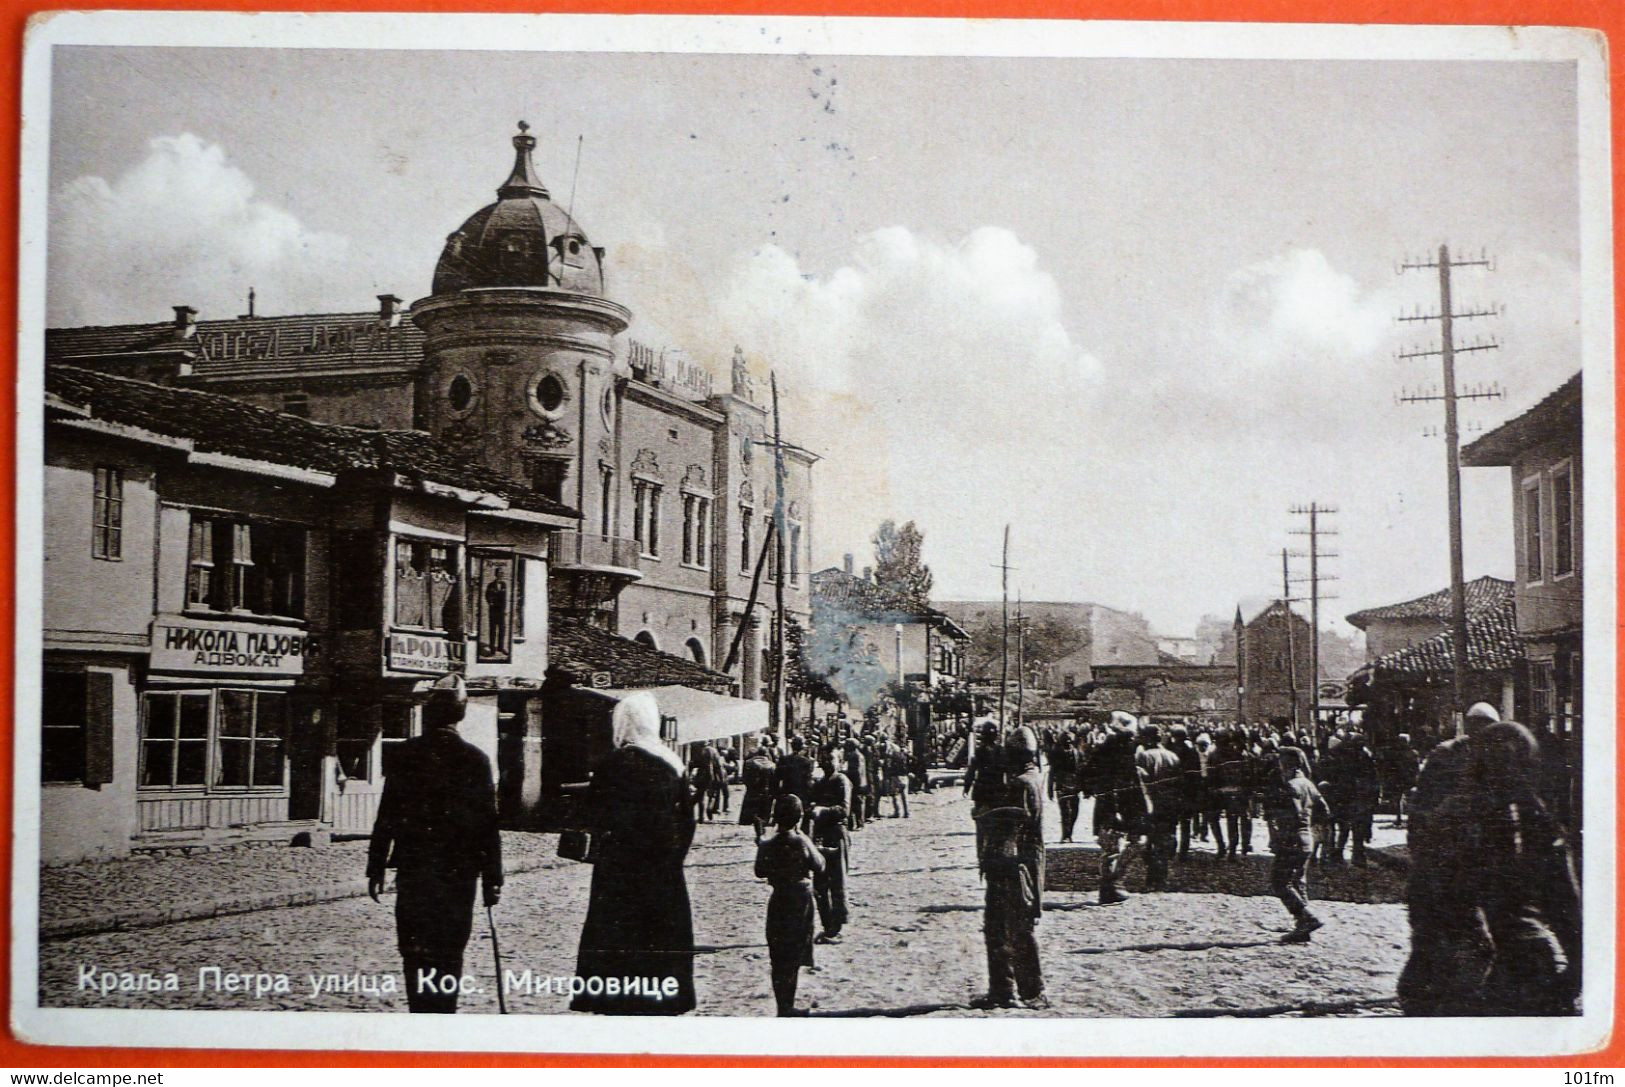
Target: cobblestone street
[(914, 946)]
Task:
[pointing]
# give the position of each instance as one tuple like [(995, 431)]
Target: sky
[(1137, 309)]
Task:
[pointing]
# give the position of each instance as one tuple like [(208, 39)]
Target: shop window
[(76, 727), (357, 735), (107, 515), (696, 530), (1563, 520), (397, 729), (241, 566), (175, 739), (426, 583), (251, 739), (494, 579)]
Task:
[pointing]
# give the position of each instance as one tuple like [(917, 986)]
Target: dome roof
[(522, 240)]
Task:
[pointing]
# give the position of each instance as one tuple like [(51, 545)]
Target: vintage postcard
[(830, 536)]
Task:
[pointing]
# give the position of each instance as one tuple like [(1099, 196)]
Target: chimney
[(868, 573), (388, 307), (846, 562), (185, 321)]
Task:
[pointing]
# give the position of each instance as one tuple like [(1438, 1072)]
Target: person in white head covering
[(639, 922)]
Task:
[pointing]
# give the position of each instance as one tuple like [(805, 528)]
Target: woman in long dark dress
[(639, 927)]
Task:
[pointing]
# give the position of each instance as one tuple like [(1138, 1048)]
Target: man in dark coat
[(1010, 822), (757, 806), (437, 827), (832, 801), (793, 775), (1064, 776), (1164, 779), (1112, 778)]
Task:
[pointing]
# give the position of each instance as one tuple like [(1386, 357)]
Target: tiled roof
[(1483, 594), (311, 341), (583, 649), (223, 424), (1557, 414), (1492, 646)]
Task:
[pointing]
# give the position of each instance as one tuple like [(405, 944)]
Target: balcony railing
[(589, 551)]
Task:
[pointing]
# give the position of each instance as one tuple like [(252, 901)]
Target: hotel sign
[(228, 649), (429, 654)]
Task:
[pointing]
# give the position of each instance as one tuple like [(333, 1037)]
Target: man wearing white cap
[(437, 827)]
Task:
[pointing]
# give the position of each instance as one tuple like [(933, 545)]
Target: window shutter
[(98, 728)]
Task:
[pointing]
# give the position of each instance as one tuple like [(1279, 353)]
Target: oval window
[(575, 247), (606, 406), (550, 392), (460, 393)]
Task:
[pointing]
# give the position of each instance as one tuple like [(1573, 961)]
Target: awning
[(700, 715)]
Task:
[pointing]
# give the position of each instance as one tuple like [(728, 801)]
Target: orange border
[(1607, 16)]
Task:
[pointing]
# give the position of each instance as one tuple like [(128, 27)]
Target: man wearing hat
[(437, 827), (1113, 779)]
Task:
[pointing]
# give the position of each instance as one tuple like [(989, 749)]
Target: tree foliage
[(1048, 640), (898, 562)]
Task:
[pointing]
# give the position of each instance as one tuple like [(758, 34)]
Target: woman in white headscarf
[(639, 924)]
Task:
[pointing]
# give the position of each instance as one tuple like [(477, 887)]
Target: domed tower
[(519, 341), (518, 346)]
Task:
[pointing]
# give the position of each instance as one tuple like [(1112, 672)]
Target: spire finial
[(522, 181)]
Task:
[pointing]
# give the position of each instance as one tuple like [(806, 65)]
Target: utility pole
[(1447, 350), (1021, 659), (1314, 511), (1291, 639), (1004, 647), (776, 712)]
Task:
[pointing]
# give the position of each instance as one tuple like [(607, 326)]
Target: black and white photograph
[(969, 537)]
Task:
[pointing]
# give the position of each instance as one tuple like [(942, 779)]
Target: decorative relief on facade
[(606, 450), (645, 463), (497, 358), (794, 511), (694, 477), (747, 494), (546, 436)]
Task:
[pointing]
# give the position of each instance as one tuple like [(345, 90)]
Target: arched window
[(696, 650), (645, 638)]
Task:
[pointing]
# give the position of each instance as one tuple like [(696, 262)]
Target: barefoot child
[(789, 861)]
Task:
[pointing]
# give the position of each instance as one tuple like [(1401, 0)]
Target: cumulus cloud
[(1295, 302), (181, 225)]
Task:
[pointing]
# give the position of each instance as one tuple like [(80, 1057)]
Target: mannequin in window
[(496, 610)]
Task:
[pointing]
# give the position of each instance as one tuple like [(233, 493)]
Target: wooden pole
[(1004, 647), (1452, 443), (776, 712), (1291, 640)]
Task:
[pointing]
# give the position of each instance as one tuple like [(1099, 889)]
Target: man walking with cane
[(437, 827)]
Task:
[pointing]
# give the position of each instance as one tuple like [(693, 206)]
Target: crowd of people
[(1492, 895)]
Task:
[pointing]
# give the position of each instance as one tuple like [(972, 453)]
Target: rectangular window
[(646, 517), (1563, 520), (795, 554), (235, 565), (747, 554), (772, 551), (606, 500), (175, 739), (1542, 695), (63, 709), (492, 579), (296, 404), (1533, 560), (397, 729), (426, 584), (696, 530), (357, 734), (250, 739), (107, 515)]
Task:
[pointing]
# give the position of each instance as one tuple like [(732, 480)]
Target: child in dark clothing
[(1294, 806), (789, 861)]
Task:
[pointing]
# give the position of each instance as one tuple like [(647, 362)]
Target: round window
[(575, 247), (460, 393), (550, 392)]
